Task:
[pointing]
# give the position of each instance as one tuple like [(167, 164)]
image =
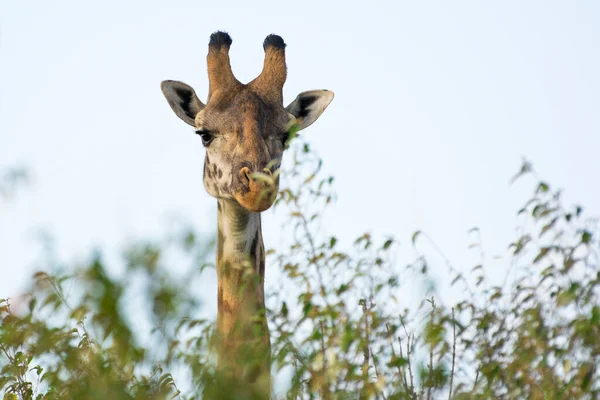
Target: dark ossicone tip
[(275, 41), (219, 39)]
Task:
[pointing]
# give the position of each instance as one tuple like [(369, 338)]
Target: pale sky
[(436, 103)]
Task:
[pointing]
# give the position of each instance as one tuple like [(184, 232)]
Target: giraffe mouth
[(259, 197)]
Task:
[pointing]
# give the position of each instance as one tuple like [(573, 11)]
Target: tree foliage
[(338, 329)]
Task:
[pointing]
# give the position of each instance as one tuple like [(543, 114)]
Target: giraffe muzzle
[(259, 189)]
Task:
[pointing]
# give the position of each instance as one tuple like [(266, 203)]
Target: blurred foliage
[(337, 326), (11, 180)]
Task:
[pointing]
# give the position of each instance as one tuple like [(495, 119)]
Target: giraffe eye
[(206, 137)]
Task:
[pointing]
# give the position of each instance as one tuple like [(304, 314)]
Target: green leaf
[(586, 237), (595, 318), (568, 264), (316, 335), (415, 236), (525, 169), (32, 304), (568, 217), (398, 362), (548, 226), (348, 337), (543, 187), (455, 279), (343, 287), (497, 294), (564, 298), (306, 308), (543, 252), (537, 210), (332, 242)]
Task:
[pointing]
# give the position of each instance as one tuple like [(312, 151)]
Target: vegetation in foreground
[(338, 327)]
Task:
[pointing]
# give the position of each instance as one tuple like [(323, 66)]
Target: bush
[(336, 328)]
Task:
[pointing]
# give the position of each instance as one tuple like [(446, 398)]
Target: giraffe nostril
[(245, 176)]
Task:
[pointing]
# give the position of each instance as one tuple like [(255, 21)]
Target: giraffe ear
[(309, 106), (183, 100)]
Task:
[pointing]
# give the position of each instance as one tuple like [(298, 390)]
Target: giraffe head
[(244, 127)]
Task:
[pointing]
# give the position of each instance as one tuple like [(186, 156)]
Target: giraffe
[(245, 129)]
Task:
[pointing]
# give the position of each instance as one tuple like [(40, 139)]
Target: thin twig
[(367, 339), (325, 387), (366, 354), (430, 377), (453, 354), (476, 378), (408, 353), (401, 373), (377, 373), (430, 366)]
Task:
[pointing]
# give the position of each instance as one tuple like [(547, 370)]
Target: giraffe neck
[(241, 320)]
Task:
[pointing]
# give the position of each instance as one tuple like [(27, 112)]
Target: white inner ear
[(309, 106)]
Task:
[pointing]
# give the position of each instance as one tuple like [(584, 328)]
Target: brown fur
[(269, 83), (248, 131)]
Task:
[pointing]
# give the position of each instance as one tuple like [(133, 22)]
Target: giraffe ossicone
[(244, 129)]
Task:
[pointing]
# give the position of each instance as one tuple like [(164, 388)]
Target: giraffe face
[(244, 137), (244, 127)]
